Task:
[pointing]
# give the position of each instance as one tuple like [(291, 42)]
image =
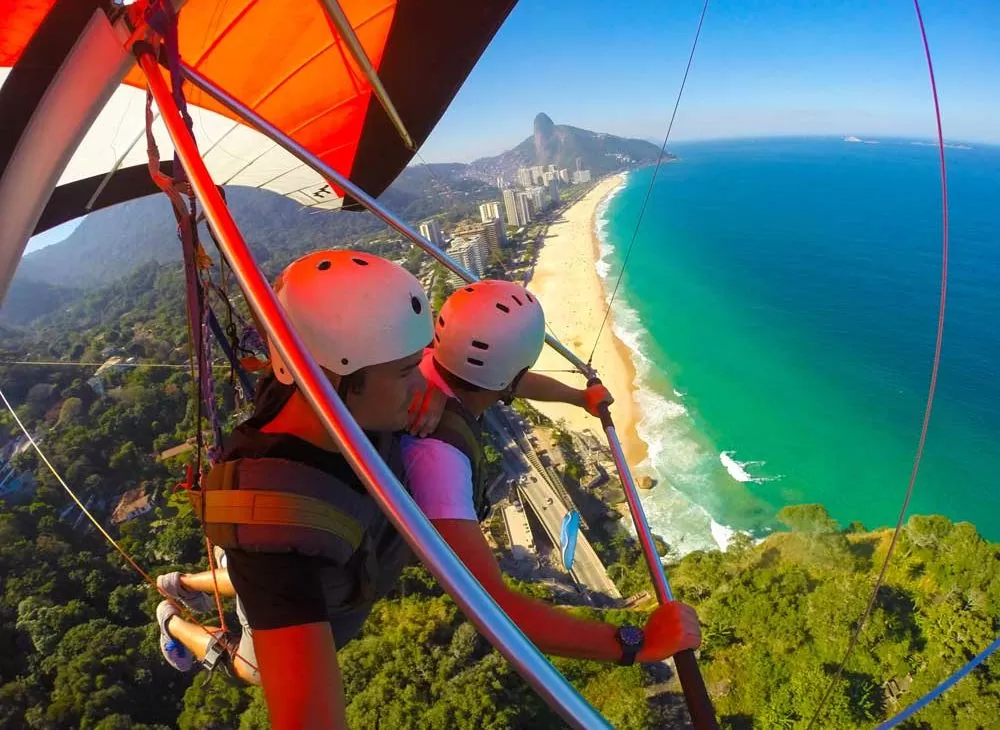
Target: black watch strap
[(631, 640)]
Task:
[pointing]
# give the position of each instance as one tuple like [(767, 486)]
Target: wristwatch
[(631, 638)]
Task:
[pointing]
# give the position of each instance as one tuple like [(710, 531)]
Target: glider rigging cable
[(83, 508), (941, 688), (649, 190), (930, 390)]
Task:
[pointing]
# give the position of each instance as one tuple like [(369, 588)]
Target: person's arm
[(535, 386), (670, 629), (296, 654), (427, 406), (551, 630)]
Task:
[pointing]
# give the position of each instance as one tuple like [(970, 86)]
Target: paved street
[(538, 495)]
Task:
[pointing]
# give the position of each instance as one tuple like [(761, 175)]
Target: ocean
[(781, 303)]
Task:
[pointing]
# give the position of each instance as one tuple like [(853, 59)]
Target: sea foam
[(674, 456)]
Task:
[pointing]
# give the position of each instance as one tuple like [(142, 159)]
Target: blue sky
[(763, 67), (53, 235)]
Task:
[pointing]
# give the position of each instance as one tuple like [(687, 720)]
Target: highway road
[(546, 503)]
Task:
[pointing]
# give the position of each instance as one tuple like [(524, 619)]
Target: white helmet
[(488, 332), (352, 310)]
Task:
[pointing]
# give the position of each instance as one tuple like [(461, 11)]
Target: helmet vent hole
[(359, 262), (480, 345), (469, 289), (529, 297), (343, 361), (415, 303), (516, 300), (474, 361), (440, 321), (437, 338), (323, 265), (503, 308)]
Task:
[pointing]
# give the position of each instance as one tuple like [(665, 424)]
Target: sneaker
[(170, 584), (173, 651)]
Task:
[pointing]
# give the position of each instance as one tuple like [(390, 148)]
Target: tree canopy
[(80, 641)]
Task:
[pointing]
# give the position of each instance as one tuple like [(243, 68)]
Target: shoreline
[(573, 297)]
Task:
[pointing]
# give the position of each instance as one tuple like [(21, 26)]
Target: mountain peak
[(569, 148), (546, 140), (544, 125)]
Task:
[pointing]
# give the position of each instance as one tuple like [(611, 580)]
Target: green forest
[(79, 642)]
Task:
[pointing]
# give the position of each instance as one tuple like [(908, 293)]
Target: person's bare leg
[(194, 638), (202, 582), (197, 639)]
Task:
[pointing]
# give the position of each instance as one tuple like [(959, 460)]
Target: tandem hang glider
[(323, 101)]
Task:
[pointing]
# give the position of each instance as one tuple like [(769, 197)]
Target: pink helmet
[(352, 310), (488, 332)]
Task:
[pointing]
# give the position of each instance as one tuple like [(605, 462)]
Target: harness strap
[(223, 507), (455, 429), (217, 654), (227, 508)]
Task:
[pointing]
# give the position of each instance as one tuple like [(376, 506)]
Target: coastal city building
[(495, 234), (470, 251), (564, 175), (524, 177), (518, 208), (510, 207), (554, 191), (489, 212), (525, 211), (431, 230), (133, 503), (581, 176), (537, 194)]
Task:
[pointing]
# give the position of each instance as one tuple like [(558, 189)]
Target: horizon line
[(736, 138)]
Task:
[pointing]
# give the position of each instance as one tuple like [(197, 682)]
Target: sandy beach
[(572, 296)]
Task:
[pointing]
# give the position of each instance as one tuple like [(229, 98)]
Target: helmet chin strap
[(511, 390), (344, 387)]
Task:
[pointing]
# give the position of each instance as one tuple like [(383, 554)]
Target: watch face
[(630, 635)]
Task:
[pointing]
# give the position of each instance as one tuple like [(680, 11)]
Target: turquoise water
[(782, 296)]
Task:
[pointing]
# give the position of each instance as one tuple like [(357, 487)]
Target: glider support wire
[(182, 610), (379, 480), (686, 665), (652, 180), (947, 684), (336, 15), (114, 168), (931, 388)]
